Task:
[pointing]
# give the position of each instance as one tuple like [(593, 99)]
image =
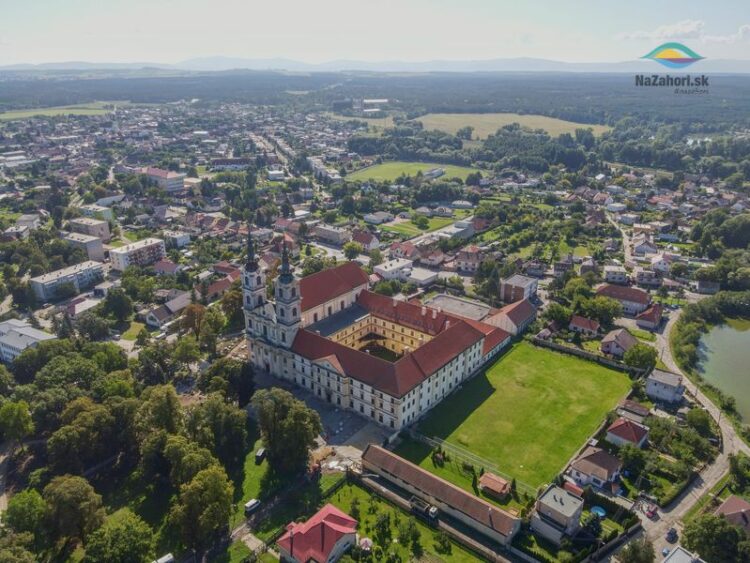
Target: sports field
[(528, 413), (485, 124), (389, 171), (95, 108)]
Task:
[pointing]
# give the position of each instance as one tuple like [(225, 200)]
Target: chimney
[(447, 324), (424, 311), (434, 314), (395, 302)]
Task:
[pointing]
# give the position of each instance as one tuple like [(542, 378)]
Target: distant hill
[(219, 63)]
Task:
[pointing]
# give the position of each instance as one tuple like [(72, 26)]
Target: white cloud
[(743, 34), (685, 29)]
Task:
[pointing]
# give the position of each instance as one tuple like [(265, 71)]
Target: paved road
[(731, 443)]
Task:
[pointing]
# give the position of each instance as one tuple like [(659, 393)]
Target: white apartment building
[(91, 245), (80, 276), (92, 227), (142, 253)]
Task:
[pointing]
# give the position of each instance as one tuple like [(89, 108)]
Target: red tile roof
[(584, 323), (519, 312), (652, 315), (737, 511), (628, 430), (321, 287), (315, 539), (624, 293)]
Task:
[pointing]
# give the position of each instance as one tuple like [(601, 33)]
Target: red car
[(652, 511)]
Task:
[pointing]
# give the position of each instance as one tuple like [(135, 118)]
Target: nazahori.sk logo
[(673, 55)]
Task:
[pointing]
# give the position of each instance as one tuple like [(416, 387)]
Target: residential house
[(633, 410), (535, 268), (404, 250), (615, 274), (161, 315), (332, 234), (518, 288), (665, 386), (557, 514), (378, 218), (633, 300), (625, 431), (494, 486), (617, 342), (647, 278), (583, 325), (651, 318), (596, 467), (323, 538), (368, 240), (737, 511), (469, 258)]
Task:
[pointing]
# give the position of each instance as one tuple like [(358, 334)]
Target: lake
[(725, 361)]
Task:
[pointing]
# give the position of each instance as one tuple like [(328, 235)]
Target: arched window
[(294, 292), (260, 300), (294, 312), (257, 280), (281, 312)]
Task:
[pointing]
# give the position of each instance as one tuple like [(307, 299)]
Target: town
[(350, 329)]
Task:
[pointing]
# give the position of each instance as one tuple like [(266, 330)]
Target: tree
[(712, 537), (203, 507), (700, 420), (288, 428), (220, 427), (26, 512), (186, 459), (125, 539), (233, 377), (15, 420), (558, 313), (92, 327), (352, 250), (192, 318), (641, 356), (637, 551), (186, 350), (376, 257), (118, 304), (213, 323), (633, 458), (160, 410), (231, 306), (75, 510)]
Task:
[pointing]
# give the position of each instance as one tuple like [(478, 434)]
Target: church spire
[(285, 275), (252, 262)]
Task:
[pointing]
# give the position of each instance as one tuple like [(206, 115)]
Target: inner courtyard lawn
[(528, 413)]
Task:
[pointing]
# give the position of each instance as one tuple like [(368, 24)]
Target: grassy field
[(95, 108), (389, 171), (486, 124), (381, 122), (529, 412), (409, 229), (133, 330)]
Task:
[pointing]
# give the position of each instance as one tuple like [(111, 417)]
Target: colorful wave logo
[(673, 55)]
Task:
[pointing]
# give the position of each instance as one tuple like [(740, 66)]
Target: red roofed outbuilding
[(324, 538), (625, 431)]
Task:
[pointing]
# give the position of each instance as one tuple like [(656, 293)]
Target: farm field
[(486, 124), (529, 412), (95, 108), (389, 171), (382, 122)]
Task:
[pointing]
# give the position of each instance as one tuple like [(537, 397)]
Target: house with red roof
[(625, 431), (583, 325), (324, 538), (737, 511), (651, 318), (514, 318), (633, 300)]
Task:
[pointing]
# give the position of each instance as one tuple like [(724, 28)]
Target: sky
[(170, 31)]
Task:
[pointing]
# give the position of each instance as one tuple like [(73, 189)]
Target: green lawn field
[(389, 171), (95, 108), (486, 124), (529, 412), (409, 229)]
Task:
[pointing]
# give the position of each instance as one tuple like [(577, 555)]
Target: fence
[(465, 456), (635, 372)]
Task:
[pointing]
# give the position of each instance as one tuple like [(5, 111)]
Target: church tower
[(253, 279), (288, 302)]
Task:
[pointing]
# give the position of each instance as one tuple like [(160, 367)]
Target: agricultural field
[(94, 108), (389, 171), (409, 229), (486, 124), (377, 122), (529, 412)]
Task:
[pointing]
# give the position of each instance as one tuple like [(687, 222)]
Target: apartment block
[(80, 276), (92, 227), (142, 253)]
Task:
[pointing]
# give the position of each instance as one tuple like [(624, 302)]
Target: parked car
[(260, 455), (652, 511), (671, 535), (251, 506)]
